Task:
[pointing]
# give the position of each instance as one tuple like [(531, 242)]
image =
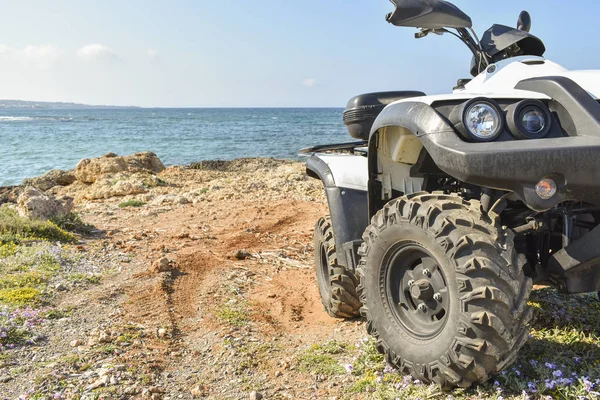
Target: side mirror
[(524, 22)]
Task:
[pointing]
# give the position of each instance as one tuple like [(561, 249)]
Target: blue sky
[(240, 53)]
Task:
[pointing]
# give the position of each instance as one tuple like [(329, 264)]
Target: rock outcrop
[(51, 179), (92, 170), (35, 204)]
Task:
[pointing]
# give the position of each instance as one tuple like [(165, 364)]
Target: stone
[(104, 337), (161, 333), (51, 179), (5, 378), (91, 170), (196, 392), (161, 265), (35, 204), (76, 343), (241, 255), (255, 395), (61, 287)]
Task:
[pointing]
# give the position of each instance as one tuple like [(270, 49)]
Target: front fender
[(344, 178)]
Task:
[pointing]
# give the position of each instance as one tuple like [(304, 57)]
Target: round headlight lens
[(533, 120), (482, 120)]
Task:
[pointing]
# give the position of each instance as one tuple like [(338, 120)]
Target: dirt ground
[(227, 312)]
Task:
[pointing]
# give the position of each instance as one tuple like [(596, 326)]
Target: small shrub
[(15, 229), (132, 203), (17, 327), (72, 222), (20, 296)]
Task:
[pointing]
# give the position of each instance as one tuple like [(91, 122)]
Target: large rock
[(121, 184), (91, 170), (35, 204), (51, 179)]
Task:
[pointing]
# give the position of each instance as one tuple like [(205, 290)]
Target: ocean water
[(34, 141)]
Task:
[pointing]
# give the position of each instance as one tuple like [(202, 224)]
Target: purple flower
[(550, 384), (532, 387), (496, 383), (348, 368), (550, 365), (557, 374)]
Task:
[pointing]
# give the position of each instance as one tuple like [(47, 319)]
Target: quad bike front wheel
[(337, 286), (443, 289)]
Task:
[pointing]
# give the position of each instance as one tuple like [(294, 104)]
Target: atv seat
[(362, 110)]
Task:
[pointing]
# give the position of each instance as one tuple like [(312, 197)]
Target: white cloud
[(4, 49), (43, 56), (96, 52), (152, 54), (309, 82)]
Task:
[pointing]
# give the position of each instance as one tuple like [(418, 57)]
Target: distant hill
[(49, 104)]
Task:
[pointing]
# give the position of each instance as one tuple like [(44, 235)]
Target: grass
[(234, 312), (91, 279), (132, 203), (16, 229), (319, 359)]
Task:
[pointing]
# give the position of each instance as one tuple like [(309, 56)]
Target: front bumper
[(572, 162)]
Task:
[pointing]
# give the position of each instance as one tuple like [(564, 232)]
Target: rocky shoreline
[(123, 279)]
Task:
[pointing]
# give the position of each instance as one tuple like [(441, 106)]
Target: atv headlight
[(529, 119), (478, 119)]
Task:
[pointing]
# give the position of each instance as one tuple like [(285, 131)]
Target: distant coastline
[(53, 105)]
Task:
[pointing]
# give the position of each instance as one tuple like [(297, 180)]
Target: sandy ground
[(227, 316)]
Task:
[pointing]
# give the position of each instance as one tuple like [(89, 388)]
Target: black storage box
[(362, 110)]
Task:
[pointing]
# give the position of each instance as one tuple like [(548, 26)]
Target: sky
[(258, 53)]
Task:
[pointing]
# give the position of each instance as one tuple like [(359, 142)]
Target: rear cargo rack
[(351, 147)]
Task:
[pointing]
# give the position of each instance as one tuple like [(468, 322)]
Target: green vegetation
[(92, 279), (319, 359), (72, 222), (234, 312), (203, 190), (16, 229), (132, 203), (20, 296)]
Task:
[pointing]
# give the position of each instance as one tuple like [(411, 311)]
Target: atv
[(447, 209)]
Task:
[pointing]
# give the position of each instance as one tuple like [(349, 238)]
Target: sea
[(35, 141)]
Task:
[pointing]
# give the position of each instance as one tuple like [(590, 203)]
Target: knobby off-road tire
[(479, 321), (337, 286)]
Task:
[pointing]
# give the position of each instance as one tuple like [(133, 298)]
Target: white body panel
[(500, 82), (348, 171)]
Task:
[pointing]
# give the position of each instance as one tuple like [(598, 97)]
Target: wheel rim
[(416, 290)]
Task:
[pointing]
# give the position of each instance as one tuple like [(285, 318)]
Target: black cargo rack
[(350, 147)]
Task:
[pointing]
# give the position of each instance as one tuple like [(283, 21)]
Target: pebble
[(196, 392), (162, 333), (255, 396), (5, 378), (76, 343)]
